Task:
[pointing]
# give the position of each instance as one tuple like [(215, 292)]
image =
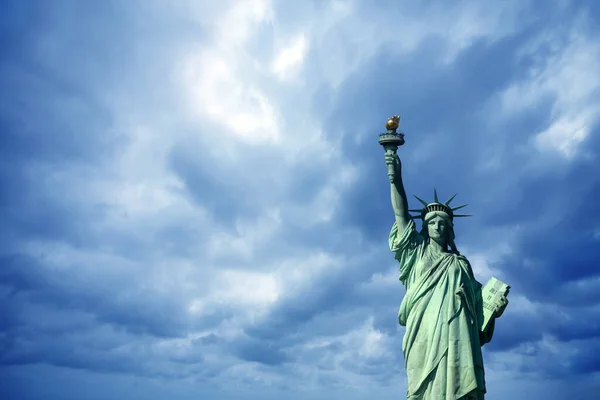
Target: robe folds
[(442, 312)]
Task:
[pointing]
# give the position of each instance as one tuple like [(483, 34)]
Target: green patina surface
[(443, 306)]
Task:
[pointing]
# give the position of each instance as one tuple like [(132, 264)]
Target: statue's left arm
[(486, 336)]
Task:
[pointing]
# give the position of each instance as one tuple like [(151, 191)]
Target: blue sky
[(195, 205)]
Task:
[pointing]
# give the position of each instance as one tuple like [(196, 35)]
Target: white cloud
[(217, 79), (567, 74), (522, 305), (221, 82), (298, 274), (389, 278), (481, 266), (235, 26), (375, 344), (347, 34), (217, 89), (565, 135), (247, 288), (346, 356), (248, 291), (230, 84), (290, 57), (247, 235)]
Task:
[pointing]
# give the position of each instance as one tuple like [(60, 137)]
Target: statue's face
[(437, 228)]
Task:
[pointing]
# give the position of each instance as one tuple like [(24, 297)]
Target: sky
[(194, 203)]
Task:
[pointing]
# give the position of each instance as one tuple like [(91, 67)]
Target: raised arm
[(399, 201)]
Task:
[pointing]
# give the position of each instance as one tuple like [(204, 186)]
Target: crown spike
[(421, 200), (459, 207), (450, 199), (436, 206)]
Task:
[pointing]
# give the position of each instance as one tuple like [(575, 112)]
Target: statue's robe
[(442, 312)]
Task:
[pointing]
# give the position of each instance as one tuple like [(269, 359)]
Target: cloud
[(193, 192), (290, 57), (563, 74)]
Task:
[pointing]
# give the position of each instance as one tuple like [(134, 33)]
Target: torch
[(391, 140)]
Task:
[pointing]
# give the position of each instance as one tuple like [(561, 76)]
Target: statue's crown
[(438, 206)]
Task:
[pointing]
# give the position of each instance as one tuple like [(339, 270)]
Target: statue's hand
[(392, 159), (503, 304)]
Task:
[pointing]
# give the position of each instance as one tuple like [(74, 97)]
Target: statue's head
[(438, 221), (438, 225)]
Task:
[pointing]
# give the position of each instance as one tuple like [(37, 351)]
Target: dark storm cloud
[(55, 114), (262, 352), (440, 97), (430, 100), (313, 309), (142, 314)]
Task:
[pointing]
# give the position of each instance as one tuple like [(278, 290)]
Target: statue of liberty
[(443, 309)]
